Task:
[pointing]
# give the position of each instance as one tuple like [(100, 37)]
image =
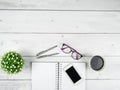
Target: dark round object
[(97, 63)]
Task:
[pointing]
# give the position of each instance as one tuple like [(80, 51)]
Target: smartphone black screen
[(73, 74)]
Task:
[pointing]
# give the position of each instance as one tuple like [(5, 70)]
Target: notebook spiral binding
[(58, 76), (56, 81)]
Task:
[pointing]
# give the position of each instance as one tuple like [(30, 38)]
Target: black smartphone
[(73, 74)]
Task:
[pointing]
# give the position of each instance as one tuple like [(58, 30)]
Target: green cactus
[(12, 62)]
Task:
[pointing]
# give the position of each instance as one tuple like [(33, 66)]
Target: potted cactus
[(12, 62)]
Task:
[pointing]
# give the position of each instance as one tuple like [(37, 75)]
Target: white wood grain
[(87, 44), (15, 85), (91, 85), (59, 22), (103, 85), (15, 24), (61, 4)]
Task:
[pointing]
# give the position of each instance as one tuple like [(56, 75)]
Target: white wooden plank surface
[(15, 85), (61, 4), (87, 44), (103, 85), (59, 22), (91, 85), (91, 40)]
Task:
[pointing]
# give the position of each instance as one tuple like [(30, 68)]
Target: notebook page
[(44, 76), (65, 81)]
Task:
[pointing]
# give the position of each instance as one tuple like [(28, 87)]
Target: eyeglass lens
[(65, 49), (76, 55)]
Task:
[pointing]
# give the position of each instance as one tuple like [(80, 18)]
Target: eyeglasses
[(74, 54)]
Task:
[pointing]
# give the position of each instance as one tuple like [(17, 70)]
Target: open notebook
[(52, 76)]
